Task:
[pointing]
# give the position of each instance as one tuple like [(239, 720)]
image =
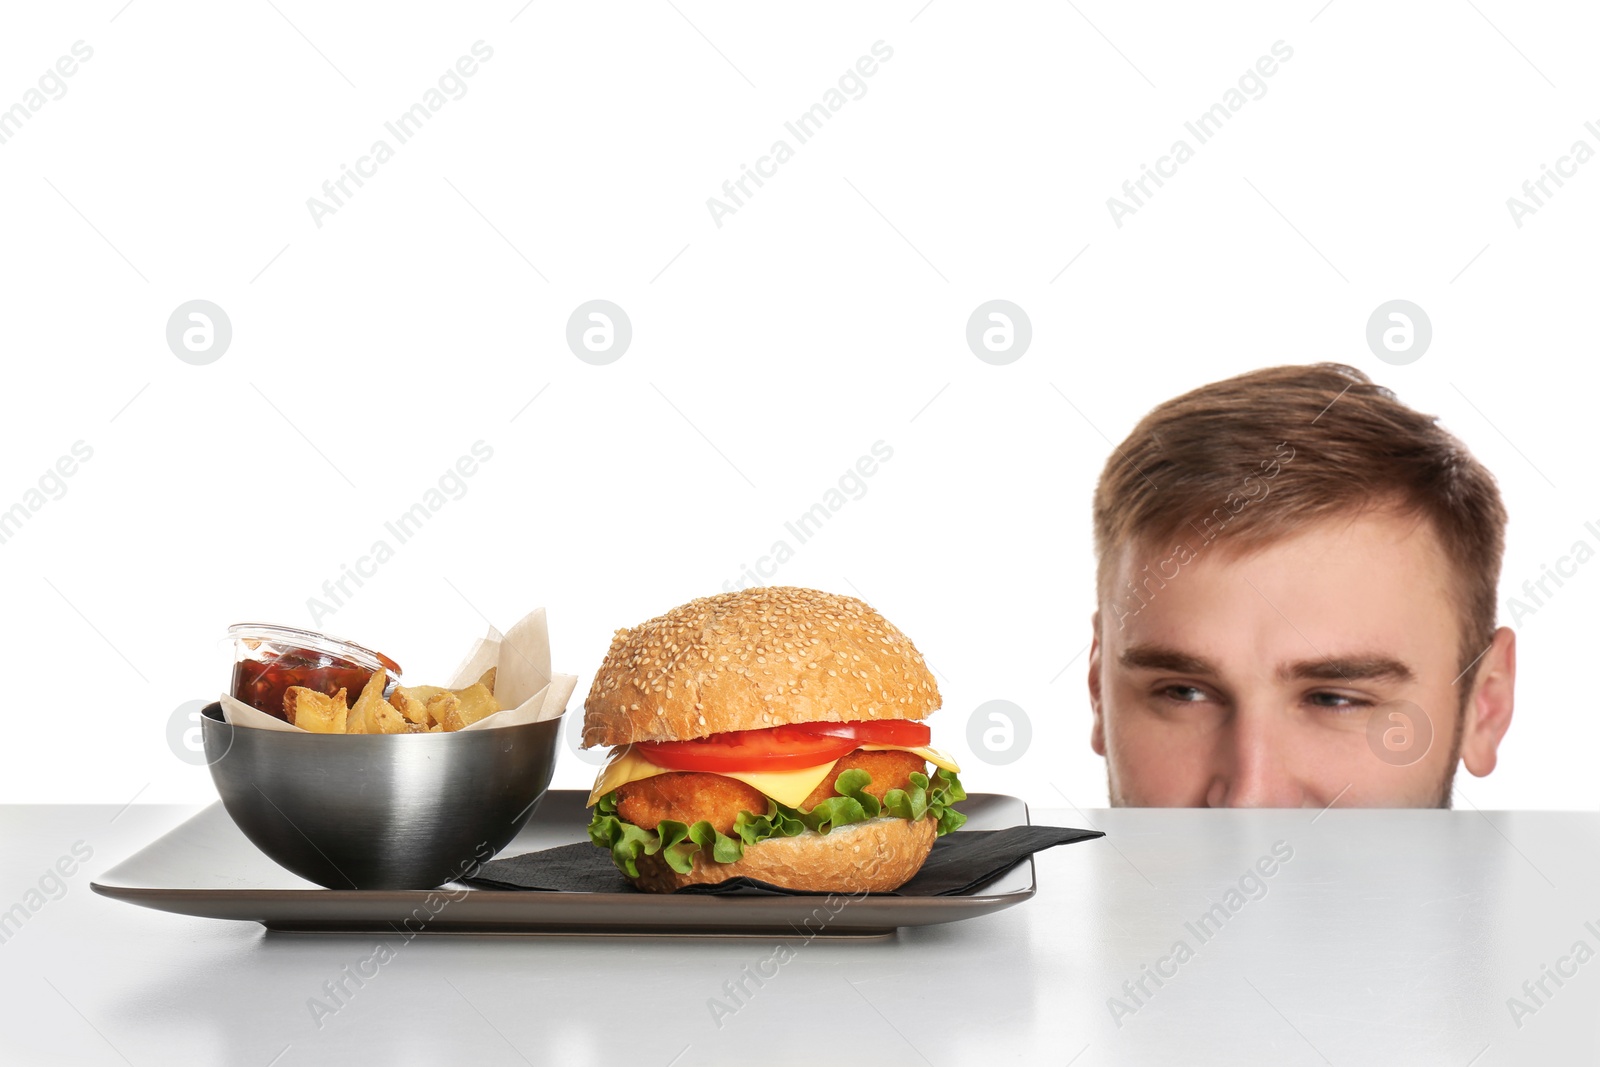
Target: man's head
[(1296, 586)]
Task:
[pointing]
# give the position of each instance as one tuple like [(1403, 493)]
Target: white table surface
[(1389, 937)]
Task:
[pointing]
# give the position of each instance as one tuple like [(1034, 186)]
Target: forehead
[(1373, 579)]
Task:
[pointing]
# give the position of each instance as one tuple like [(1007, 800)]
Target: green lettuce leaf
[(678, 842)]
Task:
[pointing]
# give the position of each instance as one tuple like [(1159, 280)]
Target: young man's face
[(1250, 680)]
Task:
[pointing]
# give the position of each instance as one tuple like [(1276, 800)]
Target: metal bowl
[(380, 811)]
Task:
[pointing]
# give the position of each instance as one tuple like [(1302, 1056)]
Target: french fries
[(372, 714), (409, 709), (314, 712), (463, 707), (413, 702)]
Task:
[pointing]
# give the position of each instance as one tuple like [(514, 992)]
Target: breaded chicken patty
[(689, 796)]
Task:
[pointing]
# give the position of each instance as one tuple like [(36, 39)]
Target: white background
[(768, 354)]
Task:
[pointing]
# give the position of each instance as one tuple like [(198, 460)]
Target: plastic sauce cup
[(269, 659)]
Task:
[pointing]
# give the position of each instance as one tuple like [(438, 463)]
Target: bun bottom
[(875, 856)]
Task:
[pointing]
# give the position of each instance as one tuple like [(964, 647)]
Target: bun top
[(753, 659)]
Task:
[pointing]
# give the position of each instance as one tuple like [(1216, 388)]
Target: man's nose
[(1253, 764)]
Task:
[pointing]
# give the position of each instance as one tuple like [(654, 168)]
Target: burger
[(770, 733)]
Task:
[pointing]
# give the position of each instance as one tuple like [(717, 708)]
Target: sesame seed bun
[(876, 856), (753, 659)]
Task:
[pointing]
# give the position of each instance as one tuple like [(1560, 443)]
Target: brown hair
[(1329, 442)]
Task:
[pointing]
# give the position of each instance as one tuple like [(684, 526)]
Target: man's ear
[(1097, 735), (1488, 710)]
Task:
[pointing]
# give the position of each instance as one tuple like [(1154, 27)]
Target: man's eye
[(1183, 694), (1337, 701)]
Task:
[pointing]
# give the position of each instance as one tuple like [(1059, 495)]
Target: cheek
[(1374, 784), (1397, 756), (1347, 763), (1380, 779), (1156, 763)]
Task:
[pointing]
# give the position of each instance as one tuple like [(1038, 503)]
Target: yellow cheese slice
[(786, 787), (932, 755)]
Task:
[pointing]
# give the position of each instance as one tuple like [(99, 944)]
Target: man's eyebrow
[(1353, 668), (1164, 658), (1359, 667)]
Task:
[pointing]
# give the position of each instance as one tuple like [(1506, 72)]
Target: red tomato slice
[(780, 748), (878, 731)]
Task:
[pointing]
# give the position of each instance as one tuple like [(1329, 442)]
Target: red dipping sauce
[(269, 659)]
